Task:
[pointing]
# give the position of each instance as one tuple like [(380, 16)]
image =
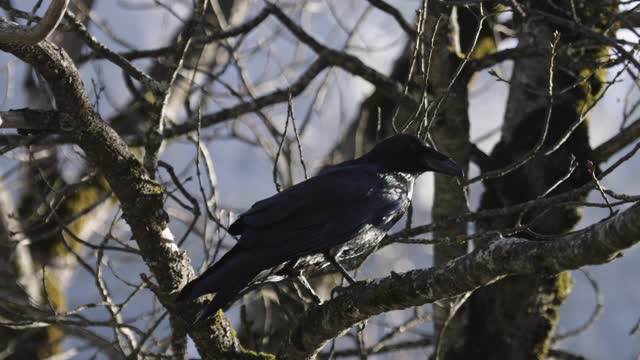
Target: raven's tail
[(214, 279), (227, 278)]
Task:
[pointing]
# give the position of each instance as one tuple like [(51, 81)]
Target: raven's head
[(408, 154)]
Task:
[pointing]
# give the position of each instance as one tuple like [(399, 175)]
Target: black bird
[(341, 213)]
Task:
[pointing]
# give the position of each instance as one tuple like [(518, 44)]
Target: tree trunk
[(515, 318)]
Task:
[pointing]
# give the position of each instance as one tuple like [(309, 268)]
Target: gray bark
[(503, 258)]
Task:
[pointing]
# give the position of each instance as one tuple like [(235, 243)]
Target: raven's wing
[(323, 211), (307, 218)]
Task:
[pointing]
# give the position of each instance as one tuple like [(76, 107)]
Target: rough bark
[(515, 318), (450, 134), (141, 198), (41, 223), (14, 34), (505, 257), (450, 130)]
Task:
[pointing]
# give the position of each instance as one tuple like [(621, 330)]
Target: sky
[(244, 172)]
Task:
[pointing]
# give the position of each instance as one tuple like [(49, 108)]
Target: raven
[(341, 213)]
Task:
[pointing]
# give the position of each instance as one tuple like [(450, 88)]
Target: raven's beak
[(444, 165)]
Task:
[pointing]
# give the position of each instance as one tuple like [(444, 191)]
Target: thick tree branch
[(490, 60), (154, 138), (11, 33), (590, 33), (597, 244), (141, 198), (30, 119), (631, 18)]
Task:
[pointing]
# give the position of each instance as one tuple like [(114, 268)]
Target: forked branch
[(11, 33)]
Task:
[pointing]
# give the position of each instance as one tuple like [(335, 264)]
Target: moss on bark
[(516, 318)]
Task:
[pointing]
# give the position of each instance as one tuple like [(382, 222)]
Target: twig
[(115, 58), (533, 152), (599, 300), (397, 16)]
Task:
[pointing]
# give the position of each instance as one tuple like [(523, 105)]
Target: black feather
[(345, 210)]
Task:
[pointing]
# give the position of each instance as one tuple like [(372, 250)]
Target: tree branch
[(11, 33), (326, 57), (114, 57), (396, 14), (597, 244), (141, 198), (277, 96), (343, 60), (30, 119)]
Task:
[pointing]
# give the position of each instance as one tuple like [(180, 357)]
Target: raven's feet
[(362, 326), (345, 274)]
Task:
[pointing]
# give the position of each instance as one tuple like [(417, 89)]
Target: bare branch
[(11, 33), (343, 60), (141, 198), (277, 96), (395, 13), (598, 244), (115, 58), (30, 119)]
